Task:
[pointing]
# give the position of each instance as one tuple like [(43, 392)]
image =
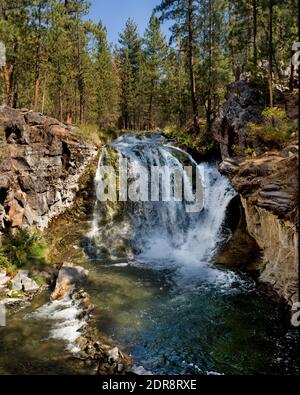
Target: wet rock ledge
[(41, 162)]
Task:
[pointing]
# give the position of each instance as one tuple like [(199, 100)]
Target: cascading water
[(153, 279), (160, 293), (163, 234)]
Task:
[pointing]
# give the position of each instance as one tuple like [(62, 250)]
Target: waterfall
[(163, 234)]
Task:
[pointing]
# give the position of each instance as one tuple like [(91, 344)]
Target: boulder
[(10, 301), (21, 282), (4, 279), (241, 107), (229, 166), (69, 277), (113, 355)]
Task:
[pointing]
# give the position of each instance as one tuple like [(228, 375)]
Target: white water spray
[(162, 234)]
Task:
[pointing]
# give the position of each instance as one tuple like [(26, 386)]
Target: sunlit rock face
[(268, 186), (279, 241), (41, 161)]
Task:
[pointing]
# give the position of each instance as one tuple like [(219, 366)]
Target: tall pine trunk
[(44, 97), (209, 99), (80, 76), (61, 116), (150, 126), (6, 81), (11, 87), (271, 5), (192, 66), (37, 61), (255, 32), (36, 94)]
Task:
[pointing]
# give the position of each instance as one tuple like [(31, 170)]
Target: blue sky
[(114, 14)]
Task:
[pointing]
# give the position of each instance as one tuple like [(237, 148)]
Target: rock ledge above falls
[(41, 162)]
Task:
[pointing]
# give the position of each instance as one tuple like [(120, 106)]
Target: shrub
[(185, 138), (250, 151), (39, 280), (90, 134), (25, 249), (273, 130), (4, 261), (2, 144), (294, 128)]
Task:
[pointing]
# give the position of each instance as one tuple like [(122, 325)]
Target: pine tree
[(155, 50), (213, 65), (130, 57), (15, 32), (183, 13), (105, 82)]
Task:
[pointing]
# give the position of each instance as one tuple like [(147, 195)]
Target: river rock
[(10, 301), (4, 279), (69, 277), (14, 304), (21, 282), (289, 151), (229, 166), (40, 168), (113, 355)]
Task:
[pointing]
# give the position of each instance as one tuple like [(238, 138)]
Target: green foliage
[(39, 280), (250, 151), (105, 94), (89, 133), (4, 261), (273, 130), (143, 83), (185, 138), (130, 64), (294, 128), (2, 144), (235, 150), (24, 249), (16, 294), (153, 68)]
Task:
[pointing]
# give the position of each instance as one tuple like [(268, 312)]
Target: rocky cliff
[(41, 161), (268, 187)]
